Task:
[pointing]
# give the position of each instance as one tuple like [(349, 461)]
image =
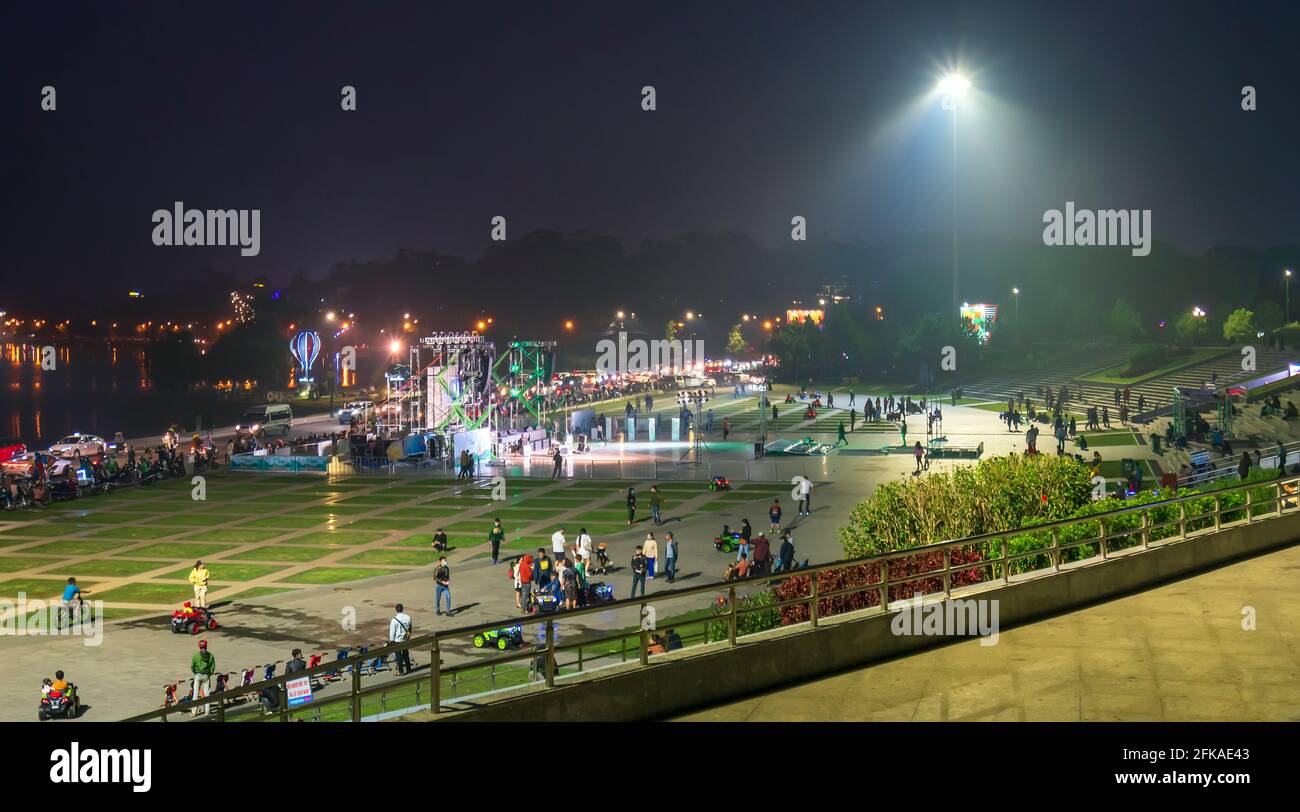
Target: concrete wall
[(706, 675)]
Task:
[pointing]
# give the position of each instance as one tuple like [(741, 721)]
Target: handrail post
[(1006, 561), (884, 585), (814, 611), (947, 572), (550, 653), (1146, 529), (356, 692), (1218, 513), (731, 616), (1101, 538), (643, 639), (435, 675), (1182, 520), (1056, 549), (1249, 503)]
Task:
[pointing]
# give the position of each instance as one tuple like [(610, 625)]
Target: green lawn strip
[(115, 567), (375, 500), (430, 512), (426, 541), (1196, 356), (474, 529), (223, 571), (336, 575), (340, 509), (411, 558), (176, 550), (275, 552), (459, 502), (1104, 440), (556, 505), (77, 547), (255, 592), (384, 523), (282, 522), (337, 537), (524, 514), (142, 532), (35, 588), (44, 530), (148, 592), (235, 535), (527, 543), (1114, 469)]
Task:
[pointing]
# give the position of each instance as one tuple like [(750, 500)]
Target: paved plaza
[(292, 557)]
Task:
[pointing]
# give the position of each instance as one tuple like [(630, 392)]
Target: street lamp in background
[(1016, 293), (1287, 274), (952, 87)]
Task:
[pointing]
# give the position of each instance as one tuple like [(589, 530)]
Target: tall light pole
[(953, 86), (1016, 293), (1288, 295)]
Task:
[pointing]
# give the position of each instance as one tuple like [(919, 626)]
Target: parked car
[(11, 447), (79, 445)]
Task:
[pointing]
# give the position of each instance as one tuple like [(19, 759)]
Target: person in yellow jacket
[(199, 578)]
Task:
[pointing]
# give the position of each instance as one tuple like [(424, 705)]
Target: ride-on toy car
[(193, 619), (719, 483), (505, 638), (729, 542), (60, 704)]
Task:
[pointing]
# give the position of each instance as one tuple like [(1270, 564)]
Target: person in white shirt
[(558, 544), (399, 629), (805, 496), (584, 547)]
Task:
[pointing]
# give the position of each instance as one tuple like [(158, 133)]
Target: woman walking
[(631, 506)]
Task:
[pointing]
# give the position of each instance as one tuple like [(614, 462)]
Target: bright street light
[(954, 84)]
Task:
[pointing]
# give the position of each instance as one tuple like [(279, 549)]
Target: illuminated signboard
[(979, 320), (798, 316)]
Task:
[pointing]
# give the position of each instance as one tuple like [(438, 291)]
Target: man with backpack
[(399, 628)]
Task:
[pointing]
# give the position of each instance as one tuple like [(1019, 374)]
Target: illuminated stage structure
[(456, 382), (445, 388), (522, 378)]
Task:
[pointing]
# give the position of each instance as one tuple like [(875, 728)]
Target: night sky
[(532, 111)]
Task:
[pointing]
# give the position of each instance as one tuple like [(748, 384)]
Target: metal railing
[(540, 467), (942, 569)]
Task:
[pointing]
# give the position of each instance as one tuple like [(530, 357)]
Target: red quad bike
[(60, 704), (192, 620)]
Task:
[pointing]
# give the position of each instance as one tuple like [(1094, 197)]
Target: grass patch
[(282, 522), (404, 557), (78, 547), (337, 537), (165, 594), (235, 535), (337, 575), (256, 592), (177, 550), (44, 530), (14, 563), (276, 552), (42, 588), (116, 567), (229, 572), (144, 532), (1104, 440)]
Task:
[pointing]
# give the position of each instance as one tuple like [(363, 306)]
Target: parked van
[(273, 418)]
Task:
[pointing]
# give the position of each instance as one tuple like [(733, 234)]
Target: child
[(46, 686)]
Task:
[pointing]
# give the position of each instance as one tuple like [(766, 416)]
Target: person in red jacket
[(524, 579)]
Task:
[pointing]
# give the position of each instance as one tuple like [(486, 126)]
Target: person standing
[(199, 579), (442, 586), (584, 547), (524, 582), (399, 629), (496, 535), (670, 557), (785, 557), (638, 572), (726, 427), (650, 548), (746, 533), (559, 544), (917, 452), (558, 461), (805, 496), (656, 505), (202, 665), (569, 586), (774, 516), (851, 398), (631, 506), (902, 428), (296, 662), (1243, 466)]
